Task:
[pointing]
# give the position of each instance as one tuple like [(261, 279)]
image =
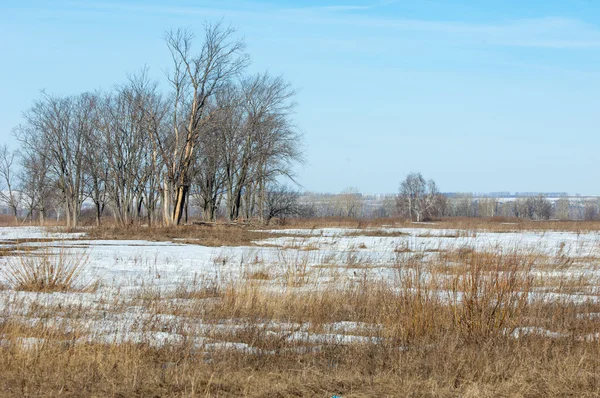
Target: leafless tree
[(590, 210), (533, 208), (96, 164), (194, 80), (463, 205), (417, 197), (563, 208), (521, 208), (8, 183), (541, 208), (124, 134), (60, 126), (268, 104), (209, 172), (257, 140), (37, 184), (281, 201), (349, 203), (487, 207), (441, 208), (154, 110)]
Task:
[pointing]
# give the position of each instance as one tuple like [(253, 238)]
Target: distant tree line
[(218, 137), (419, 199)]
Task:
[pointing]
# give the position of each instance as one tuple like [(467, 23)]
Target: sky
[(480, 96)]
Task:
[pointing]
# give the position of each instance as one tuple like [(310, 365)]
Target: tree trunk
[(42, 217), (179, 206), (98, 213)]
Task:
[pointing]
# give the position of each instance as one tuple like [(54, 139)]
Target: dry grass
[(376, 233), (456, 370), (8, 251), (205, 235), (422, 345), (566, 284), (493, 224), (49, 271)]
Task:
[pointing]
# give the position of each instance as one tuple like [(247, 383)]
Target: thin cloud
[(206, 11), (547, 32), (544, 32), (343, 8)]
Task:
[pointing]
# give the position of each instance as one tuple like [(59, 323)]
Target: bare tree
[(563, 208), (219, 136), (463, 205), (533, 208), (281, 201), (209, 172), (60, 126), (349, 203), (521, 208), (96, 165), (257, 140), (8, 184), (38, 187), (417, 197), (124, 141), (487, 207), (441, 208), (541, 208), (194, 80), (268, 104), (590, 210), (154, 109)]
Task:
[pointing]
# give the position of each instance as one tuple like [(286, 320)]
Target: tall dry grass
[(53, 269)]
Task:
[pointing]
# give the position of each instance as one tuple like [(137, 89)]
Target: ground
[(294, 310)]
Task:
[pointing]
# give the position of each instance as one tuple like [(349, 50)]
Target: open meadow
[(415, 309)]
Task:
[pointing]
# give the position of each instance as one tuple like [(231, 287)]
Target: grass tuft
[(56, 270)]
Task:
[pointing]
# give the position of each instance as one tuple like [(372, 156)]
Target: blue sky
[(480, 96)]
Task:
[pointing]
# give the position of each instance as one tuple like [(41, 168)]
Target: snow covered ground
[(132, 262), (424, 239), (124, 268)]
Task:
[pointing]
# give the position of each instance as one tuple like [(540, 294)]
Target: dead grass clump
[(6, 251), (295, 266), (300, 243), (565, 284), (260, 275), (50, 271), (495, 291), (382, 233), (198, 293)]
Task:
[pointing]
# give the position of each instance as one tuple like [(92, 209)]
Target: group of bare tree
[(219, 136)]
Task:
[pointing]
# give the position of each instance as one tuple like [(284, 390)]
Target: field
[(447, 309)]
